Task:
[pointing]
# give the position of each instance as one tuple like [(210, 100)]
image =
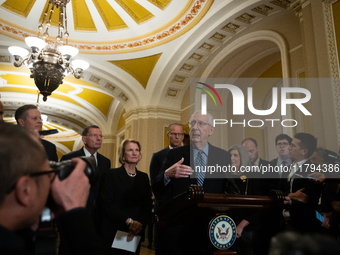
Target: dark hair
[(122, 146), (21, 112), (20, 154), (307, 141), (87, 129), (250, 139), (283, 137)]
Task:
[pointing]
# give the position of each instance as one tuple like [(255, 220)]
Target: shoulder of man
[(73, 154)]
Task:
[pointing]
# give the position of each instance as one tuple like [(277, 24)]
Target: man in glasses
[(92, 138), (29, 117), (177, 175), (175, 135), (26, 180), (282, 143)]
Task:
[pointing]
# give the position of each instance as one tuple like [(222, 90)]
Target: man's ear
[(23, 190), (304, 152), (21, 122), (83, 139), (211, 131)]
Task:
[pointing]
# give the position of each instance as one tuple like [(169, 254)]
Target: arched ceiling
[(142, 52)]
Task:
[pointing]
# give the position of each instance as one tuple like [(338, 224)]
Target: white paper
[(120, 242)]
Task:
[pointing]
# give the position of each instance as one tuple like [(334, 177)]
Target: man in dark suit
[(92, 138), (302, 194), (29, 117), (175, 135), (176, 176), (282, 143)]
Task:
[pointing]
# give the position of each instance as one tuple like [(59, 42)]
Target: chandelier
[(50, 60)]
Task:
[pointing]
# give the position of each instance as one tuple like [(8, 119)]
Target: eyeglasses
[(200, 124), (176, 134), (282, 144), (36, 174), (95, 136)]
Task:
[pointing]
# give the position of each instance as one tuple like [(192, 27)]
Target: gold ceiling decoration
[(133, 67), (185, 19)]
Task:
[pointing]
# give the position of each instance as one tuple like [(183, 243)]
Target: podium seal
[(222, 232)]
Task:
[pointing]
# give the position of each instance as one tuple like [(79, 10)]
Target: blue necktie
[(200, 162)]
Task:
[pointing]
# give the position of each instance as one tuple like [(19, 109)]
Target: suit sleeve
[(158, 186)]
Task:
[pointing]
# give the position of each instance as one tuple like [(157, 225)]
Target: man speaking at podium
[(176, 176)]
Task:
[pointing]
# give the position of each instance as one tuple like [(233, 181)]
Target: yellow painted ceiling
[(98, 99), (139, 68), (82, 16)]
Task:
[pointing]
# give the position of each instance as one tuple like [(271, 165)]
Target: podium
[(207, 219)]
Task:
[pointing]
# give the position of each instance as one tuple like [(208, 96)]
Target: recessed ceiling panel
[(110, 17), (21, 7)]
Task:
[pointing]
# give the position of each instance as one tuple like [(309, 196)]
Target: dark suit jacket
[(122, 197), (50, 149), (218, 184), (303, 214), (156, 163), (103, 164), (78, 228)]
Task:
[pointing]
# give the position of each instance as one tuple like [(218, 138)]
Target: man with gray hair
[(176, 176)]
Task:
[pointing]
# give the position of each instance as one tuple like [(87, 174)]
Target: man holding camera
[(25, 184)]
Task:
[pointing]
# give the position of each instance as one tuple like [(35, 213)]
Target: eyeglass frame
[(95, 136), (176, 134), (200, 124), (35, 174)]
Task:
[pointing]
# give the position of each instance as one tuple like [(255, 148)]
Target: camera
[(65, 168)]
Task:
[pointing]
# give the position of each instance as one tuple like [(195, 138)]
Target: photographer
[(25, 183)]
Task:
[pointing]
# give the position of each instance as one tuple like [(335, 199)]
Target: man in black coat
[(92, 138), (29, 117), (302, 194), (175, 135), (177, 175), (25, 184)]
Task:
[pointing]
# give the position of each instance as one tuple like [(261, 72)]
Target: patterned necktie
[(200, 163), (92, 156)]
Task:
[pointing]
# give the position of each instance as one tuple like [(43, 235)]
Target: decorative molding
[(207, 47), (123, 96), (196, 57), (172, 93), (110, 86), (154, 112), (175, 29), (218, 37), (187, 68), (281, 3), (179, 79), (232, 28), (5, 59), (246, 18), (95, 79), (333, 55), (263, 9)]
